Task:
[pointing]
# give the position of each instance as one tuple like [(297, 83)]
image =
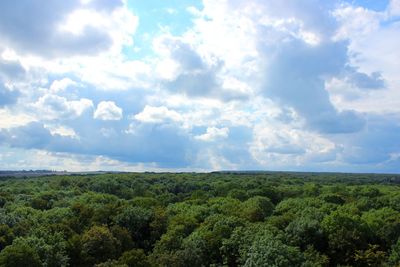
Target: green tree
[(346, 233), (123, 237), (394, 257), (384, 224), (98, 244), (134, 258), (6, 236), (44, 201), (313, 258), (257, 208), (19, 254), (270, 251), (236, 249), (137, 220), (372, 256), (238, 194), (203, 246), (110, 263), (51, 248), (305, 229)]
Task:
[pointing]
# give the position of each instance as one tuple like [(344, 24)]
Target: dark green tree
[(256, 209), (98, 244), (19, 254)]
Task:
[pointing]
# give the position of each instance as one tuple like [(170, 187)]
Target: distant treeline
[(209, 219)]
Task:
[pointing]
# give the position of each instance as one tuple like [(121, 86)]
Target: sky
[(170, 85)]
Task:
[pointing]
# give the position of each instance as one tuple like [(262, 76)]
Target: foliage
[(98, 244), (394, 258), (268, 251), (19, 254), (209, 219)]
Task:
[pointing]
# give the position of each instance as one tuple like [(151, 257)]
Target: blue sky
[(133, 85)]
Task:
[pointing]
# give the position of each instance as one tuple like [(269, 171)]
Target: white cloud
[(275, 83), (167, 69), (51, 107), (280, 145), (78, 20), (107, 110), (213, 133), (61, 85), (161, 114), (9, 119), (64, 29), (85, 40), (373, 48), (216, 162), (15, 159), (227, 37), (114, 73), (394, 8), (356, 21), (61, 130), (120, 24)]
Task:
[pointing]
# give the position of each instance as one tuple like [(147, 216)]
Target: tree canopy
[(208, 219)]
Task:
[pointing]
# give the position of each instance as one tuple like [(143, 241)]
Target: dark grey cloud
[(296, 75), (31, 27), (150, 143), (376, 144), (183, 53), (196, 83), (333, 122), (33, 135), (195, 77), (364, 81)]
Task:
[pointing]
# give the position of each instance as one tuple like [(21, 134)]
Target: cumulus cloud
[(60, 85), (192, 75), (84, 40), (61, 130), (371, 51), (161, 114), (52, 106), (12, 118), (213, 133), (295, 78), (258, 84), (186, 71), (107, 111), (32, 27), (356, 21), (289, 54), (282, 146)]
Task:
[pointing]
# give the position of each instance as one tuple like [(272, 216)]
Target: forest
[(249, 219)]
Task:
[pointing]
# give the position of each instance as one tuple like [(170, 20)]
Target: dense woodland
[(189, 219)]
